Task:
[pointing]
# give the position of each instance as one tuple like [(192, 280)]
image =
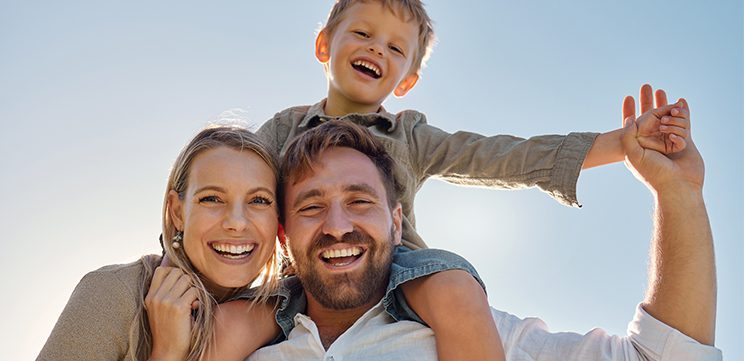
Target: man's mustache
[(354, 237)]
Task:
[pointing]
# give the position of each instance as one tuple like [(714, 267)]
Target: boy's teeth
[(367, 65), (233, 249), (346, 252)]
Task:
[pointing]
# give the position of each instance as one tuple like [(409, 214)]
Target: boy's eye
[(361, 33), (396, 49)]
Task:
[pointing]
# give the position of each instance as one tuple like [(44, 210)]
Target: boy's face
[(369, 55)]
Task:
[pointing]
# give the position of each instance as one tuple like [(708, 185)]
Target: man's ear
[(175, 210), (406, 85), (322, 48), (397, 224)]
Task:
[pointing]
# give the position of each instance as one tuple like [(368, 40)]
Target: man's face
[(341, 230)]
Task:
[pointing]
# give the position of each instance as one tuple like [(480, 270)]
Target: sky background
[(98, 97)]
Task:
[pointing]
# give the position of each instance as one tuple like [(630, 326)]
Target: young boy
[(371, 49)]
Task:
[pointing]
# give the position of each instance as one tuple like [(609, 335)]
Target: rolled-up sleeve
[(550, 162), (648, 339)]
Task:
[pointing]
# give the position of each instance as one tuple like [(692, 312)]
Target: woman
[(220, 223)]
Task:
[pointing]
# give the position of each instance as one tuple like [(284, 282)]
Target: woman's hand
[(169, 302)]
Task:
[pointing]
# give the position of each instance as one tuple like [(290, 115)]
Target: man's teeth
[(368, 65), (337, 253), (233, 249)]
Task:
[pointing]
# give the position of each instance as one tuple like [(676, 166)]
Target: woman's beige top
[(95, 323)]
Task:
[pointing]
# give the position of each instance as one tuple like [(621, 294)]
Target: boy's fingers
[(675, 122), (678, 143), (678, 131), (660, 97), (646, 98), (628, 107)]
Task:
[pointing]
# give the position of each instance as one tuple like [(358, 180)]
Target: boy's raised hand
[(664, 128)]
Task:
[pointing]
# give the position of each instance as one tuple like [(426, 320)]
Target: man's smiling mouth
[(341, 257)]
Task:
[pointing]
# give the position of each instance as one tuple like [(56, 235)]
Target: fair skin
[(368, 57), (228, 216), (384, 42), (334, 201), (345, 194), (682, 276)]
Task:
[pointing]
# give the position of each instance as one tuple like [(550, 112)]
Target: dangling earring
[(177, 239)]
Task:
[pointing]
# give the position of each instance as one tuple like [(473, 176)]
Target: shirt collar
[(316, 116)]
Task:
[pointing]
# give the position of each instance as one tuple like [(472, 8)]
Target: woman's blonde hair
[(233, 137)]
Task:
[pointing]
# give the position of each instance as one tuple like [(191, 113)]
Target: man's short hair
[(304, 151)]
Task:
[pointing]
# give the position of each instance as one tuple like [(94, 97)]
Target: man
[(341, 228)]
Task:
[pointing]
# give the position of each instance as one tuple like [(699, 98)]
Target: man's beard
[(350, 289)]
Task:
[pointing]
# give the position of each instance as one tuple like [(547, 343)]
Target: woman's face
[(228, 216)]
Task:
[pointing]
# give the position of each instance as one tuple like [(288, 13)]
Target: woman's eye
[(210, 199), (262, 201)]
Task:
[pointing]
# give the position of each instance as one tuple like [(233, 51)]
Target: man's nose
[(235, 218), (337, 222)]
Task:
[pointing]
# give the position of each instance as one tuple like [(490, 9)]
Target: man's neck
[(333, 323), (337, 106)]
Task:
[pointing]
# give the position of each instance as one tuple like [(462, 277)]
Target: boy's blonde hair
[(405, 9)]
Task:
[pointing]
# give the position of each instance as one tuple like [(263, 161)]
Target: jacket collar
[(316, 116)]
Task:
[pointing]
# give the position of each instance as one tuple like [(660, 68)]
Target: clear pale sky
[(97, 98)]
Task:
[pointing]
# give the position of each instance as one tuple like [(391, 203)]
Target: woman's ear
[(175, 209)]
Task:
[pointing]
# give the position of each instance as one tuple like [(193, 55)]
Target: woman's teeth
[(232, 249)]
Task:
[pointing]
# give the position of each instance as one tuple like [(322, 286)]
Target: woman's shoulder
[(117, 283)]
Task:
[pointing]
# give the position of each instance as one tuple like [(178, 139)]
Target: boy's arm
[(550, 162)]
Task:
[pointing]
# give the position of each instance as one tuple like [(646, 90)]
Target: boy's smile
[(368, 57)]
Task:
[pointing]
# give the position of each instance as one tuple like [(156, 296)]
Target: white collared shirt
[(375, 336)]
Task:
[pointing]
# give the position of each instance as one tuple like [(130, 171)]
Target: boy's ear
[(406, 85), (322, 50), (175, 209)]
